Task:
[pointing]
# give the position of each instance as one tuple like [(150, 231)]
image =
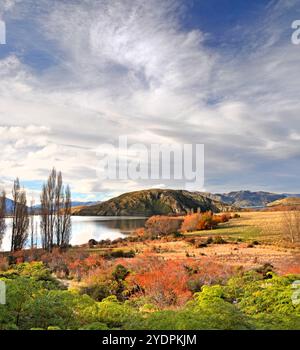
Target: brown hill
[(155, 202), (289, 201)]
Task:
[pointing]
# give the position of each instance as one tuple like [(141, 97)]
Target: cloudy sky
[(77, 74)]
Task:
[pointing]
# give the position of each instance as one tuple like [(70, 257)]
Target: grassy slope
[(264, 226), (294, 201)]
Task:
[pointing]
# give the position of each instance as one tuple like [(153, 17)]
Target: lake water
[(88, 227)]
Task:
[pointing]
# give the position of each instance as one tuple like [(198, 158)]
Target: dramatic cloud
[(76, 74)]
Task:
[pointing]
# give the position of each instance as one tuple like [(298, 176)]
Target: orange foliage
[(162, 225), (140, 232), (79, 267), (221, 218), (191, 222), (203, 221), (172, 282), (165, 283), (198, 221), (291, 267)]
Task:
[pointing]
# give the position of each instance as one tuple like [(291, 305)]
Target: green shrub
[(219, 240), (120, 254), (96, 326)]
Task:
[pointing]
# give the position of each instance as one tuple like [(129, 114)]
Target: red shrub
[(191, 222), (165, 283), (221, 218), (199, 221), (162, 225), (172, 282)]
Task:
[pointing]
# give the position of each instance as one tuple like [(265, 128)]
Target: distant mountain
[(246, 199), (78, 203), (154, 202), (73, 204)]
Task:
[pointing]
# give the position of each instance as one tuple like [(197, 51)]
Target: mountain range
[(165, 201), (248, 199), (10, 203)]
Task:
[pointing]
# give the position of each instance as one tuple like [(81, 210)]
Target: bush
[(96, 326), (36, 271), (120, 273), (268, 302), (92, 243), (98, 291), (114, 313), (265, 270), (219, 240), (191, 222), (209, 240), (200, 221), (221, 218), (162, 225), (163, 282), (120, 254)]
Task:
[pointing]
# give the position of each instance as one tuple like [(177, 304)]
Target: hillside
[(290, 201), (154, 202), (246, 199)]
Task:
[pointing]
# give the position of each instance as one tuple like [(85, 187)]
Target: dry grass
[(263, 226), (231, 254)]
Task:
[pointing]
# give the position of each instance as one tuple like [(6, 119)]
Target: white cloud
[(129, 68)]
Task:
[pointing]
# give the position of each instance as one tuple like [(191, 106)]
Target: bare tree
[(32, 226), (2, 215), (55, 212), (66, 227), (44, 223), (48, 211), (20, 218), (59, 204), (291, 225)]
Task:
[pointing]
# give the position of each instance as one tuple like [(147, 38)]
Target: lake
[(89, 227)]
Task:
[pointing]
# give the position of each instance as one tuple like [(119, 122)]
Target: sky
[(77, 74)]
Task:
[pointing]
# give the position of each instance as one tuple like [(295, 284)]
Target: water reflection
[(90, 227)]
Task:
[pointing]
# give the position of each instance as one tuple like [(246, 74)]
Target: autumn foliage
[(162, 225), (169, 283), (203, 221)]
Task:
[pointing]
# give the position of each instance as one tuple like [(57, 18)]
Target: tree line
[(54, 212)]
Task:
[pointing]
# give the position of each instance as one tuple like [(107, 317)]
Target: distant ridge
[(10, 205), (73, 204), (247, 199)]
